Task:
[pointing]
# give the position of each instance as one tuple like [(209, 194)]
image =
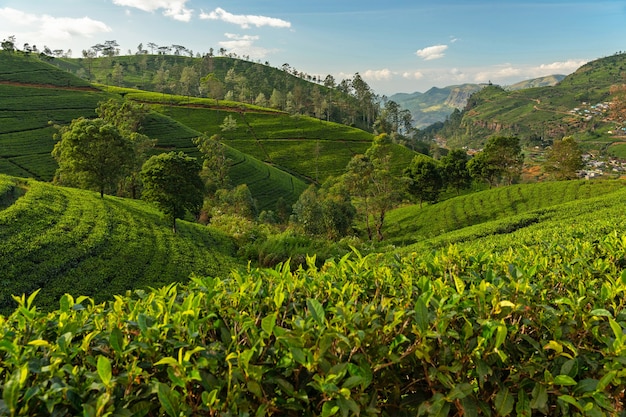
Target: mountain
[(546, 81), (576, 106), (435, 104)]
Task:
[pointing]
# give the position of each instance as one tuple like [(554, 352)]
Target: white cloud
[(244, 21), (41, 29), (501, 72), (564, 67), (432, 52), (507, 73), (244, 45), (416, 75), (378, 75), (171, 8)]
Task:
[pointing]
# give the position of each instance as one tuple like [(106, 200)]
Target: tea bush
[(534, 331)]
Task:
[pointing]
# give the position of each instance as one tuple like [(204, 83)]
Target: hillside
[(495, 211), (223, 77), (416, 329), (67, 240), (548, 81), (436, 104), (575, 106), (261, 148)]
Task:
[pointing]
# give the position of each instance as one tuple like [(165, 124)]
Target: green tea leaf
[(116, 340), (522, 408), (459, 391), (501, 332), (168, 400), (606, 380), (601, 312), (504, 402), (104, 370), (570, 400), (268, 323), (421, 315), (11, 394), (316, 310), (564, 380)]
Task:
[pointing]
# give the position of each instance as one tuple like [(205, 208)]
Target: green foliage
[(425, 178), (564, 159), (544, 112), (500, 161), (411, 224), (70, 240), (172, 181), (454, 170), (448, 332), (92, 154)]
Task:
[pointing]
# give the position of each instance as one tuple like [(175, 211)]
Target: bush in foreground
[(536, 331)]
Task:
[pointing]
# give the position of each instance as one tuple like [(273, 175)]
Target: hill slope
[(68, 240), (35, 93), (508, 205), (545, 113)]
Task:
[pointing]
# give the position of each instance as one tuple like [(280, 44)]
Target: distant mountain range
[(436, 104)]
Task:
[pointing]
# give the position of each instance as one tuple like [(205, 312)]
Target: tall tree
[(564, 159), (454, 170), (500, 160), (92, 154), (216, 163), (369, 178), (481, 169), (128, 117), (172, 181), (425, 179)]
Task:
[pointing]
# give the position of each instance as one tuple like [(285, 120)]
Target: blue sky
[(396, 46)]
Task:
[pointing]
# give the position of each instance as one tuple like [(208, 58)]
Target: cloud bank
[(48, 27), (244, 21), (171, 8)]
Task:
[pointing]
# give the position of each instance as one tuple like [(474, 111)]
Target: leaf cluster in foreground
[(538, 330)]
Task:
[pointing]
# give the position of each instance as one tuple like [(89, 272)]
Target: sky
[(397, 46)]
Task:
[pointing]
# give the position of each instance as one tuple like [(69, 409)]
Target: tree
[(454, 170), (216, 163), (172, 181), (327, 211), (481, 170), (500, 160), (425, 179), (369, 178), (92, 154), (564, 159), (8, 44), (308, 213), (128, 117), (189, 80), (505, 154)]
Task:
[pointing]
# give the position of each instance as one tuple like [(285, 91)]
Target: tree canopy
[(92, 154), (564, 159), (172, 181)]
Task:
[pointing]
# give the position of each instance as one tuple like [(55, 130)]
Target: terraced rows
[(412, 224), (60, 238)]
